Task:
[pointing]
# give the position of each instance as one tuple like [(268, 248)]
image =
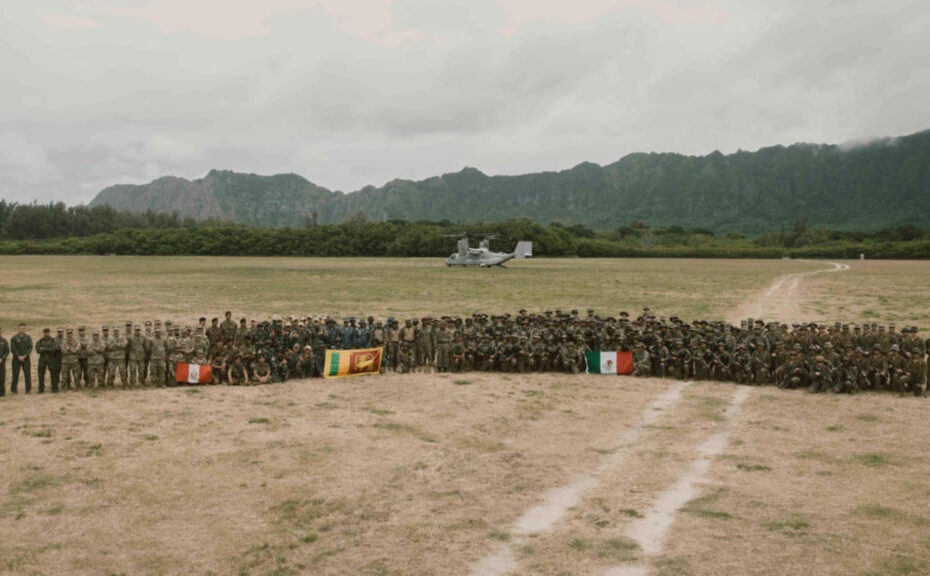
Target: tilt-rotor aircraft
[(483, 257)]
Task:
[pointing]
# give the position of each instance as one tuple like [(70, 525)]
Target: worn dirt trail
[(781, 300), (557, 501)]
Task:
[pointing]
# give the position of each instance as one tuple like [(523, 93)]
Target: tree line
[(57, 229)]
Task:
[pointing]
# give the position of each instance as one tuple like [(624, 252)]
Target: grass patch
[(752, 467), (672, 566), (703, 506), (793, 523), (873, 459), (898, 565), (378, 411), (631, 513), (811, 454), (879, 511), (868, 418), (259, 421), (498, 535), (532, 393), (836, 428), (326, 405), (32, 483), (150, 437), (712, 408), (461, 382)]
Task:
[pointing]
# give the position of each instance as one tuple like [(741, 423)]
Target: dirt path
[(557, 501), (781, 300), (649, 532)]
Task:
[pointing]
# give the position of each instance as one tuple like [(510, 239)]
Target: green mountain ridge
[(869, 186)]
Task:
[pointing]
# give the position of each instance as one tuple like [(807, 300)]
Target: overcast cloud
[(355, 92)]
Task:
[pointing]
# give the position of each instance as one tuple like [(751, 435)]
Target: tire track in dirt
[(557, 501), (649, 531), (781, 300)]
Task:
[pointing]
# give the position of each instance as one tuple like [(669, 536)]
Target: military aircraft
[(483, 257)]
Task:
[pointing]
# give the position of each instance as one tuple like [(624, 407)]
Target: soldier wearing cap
[(158, 354), (83, 339), (95, 354), (115, 355), (136, 364), (47, 348), (70, 366)]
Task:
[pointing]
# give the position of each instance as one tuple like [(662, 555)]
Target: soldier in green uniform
[(21, 348), (47, 348), (157, 357), (83, 339), (136, 364), (115, 354), (4, 354), (238, 375), (70, 367), (642, 362), (95, 354), (261, 371)]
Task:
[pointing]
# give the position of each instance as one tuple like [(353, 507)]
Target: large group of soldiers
[(840, 358)]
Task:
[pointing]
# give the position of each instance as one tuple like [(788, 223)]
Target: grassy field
[(56, 290), (434, 474)]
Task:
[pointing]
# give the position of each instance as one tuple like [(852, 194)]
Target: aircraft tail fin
[(524, 249)]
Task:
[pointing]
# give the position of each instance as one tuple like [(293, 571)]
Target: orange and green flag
[(352, 362)]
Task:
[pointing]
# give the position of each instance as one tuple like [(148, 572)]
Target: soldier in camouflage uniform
[(158, 354), (136, 363), (70, 367), (115, 354), (95, 353)]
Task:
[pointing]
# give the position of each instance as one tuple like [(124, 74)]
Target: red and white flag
[(193, 373)]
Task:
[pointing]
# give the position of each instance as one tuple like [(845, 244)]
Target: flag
[(352, 362), (608, 362), (193, 373)]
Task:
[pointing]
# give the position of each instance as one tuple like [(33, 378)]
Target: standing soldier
[(175, 356), (70, 367), (21, 347), (425, 344), (105, 338), (47, 348), (157, 356), (115, 355), (95, 354), (4, 354), (83, 340), (443, 347), (228, 329), (60, 339), (137, 358)]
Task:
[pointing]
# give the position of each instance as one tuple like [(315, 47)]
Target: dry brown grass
[(426, 474)]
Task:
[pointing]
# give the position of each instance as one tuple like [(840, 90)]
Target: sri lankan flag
[(605, 362), (352, 362)]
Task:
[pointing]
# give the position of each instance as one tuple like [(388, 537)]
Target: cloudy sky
[(355, 92)]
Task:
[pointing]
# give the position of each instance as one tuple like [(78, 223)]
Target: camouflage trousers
[(136, 372), (157, 372), (114, 366), (70, 375), (95, 375)]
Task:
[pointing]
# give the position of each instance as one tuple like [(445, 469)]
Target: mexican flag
[(352, 362), (607, 362), (193, 373)]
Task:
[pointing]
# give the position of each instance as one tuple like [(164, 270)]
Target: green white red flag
[(608, 362)]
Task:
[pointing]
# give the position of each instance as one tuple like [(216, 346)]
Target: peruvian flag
[(193, 373)]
